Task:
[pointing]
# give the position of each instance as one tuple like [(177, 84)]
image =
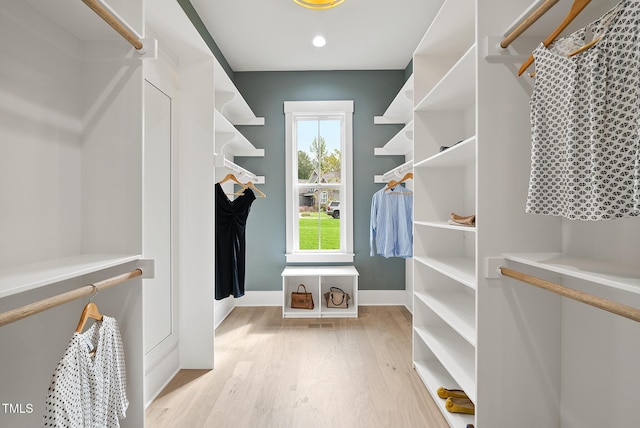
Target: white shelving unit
[(318, 280), (444, 268), (72, 162), (401, 108), (400, 144), (567, 355), (19, 279), (232, 110), (400, 111), (609, 274)]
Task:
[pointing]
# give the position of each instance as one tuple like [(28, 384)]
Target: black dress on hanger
[(231, 221)]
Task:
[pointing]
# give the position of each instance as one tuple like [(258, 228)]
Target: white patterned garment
[(585, 114), (89, 392)]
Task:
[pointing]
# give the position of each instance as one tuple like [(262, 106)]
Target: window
[(319, 181), (324, 197)]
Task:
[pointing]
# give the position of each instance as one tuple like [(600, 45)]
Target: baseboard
[(365, 298), (222, 309), (260, 298), (160, 370), (382, 298)]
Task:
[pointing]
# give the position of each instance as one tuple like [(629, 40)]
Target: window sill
[(319, 258)]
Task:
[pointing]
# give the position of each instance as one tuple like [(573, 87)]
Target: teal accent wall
[(408, 71), (265, 92)]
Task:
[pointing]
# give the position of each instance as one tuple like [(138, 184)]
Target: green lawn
[(325, 226)]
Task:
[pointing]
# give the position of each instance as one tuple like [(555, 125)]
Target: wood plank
[(274, 372)]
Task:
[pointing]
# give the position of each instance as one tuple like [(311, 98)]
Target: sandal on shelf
[(469, 220), (460, 405), (446, 393)]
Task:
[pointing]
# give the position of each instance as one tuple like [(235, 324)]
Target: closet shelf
[(401, 108), (442, 38), (445, 225), (456, 91), (395, 173), (230, 140), (457, 309), (461, 155), (401, 144), (462, 269), (230, 102), (455, 355), (434, 376), (610, 274), (27, 277)]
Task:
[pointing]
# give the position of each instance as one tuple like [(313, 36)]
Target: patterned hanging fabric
[(88, 391), (585, 159)]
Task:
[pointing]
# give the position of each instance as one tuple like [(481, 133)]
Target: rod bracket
[(492, 267), (148, 267)]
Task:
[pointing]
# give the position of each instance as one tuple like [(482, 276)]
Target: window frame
[(344, 109)]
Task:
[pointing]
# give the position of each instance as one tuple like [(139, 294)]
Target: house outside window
[(324, 196), (319, 181)]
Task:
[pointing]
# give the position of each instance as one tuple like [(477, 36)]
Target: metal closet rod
[(598, 302), (60, 299), (110, 18)]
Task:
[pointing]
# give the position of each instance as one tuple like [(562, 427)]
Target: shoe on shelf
[(460, 405), (468, 220), (446, 393)]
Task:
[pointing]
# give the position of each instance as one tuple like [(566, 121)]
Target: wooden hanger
[(89, 311), (235, 180), (254, 188), (393, 183), (576, 8), (232, 178), (585, 47), (610, 16)]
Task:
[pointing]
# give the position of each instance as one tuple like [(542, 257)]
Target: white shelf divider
[(434, 376), (400, 144), (445, 225), (462, 154), (442, 38), (230, 140), (456, 90), (230, 102), (27, 277), (457, 309), (610, 274), (401, 108), (459, 268), (455, 355)]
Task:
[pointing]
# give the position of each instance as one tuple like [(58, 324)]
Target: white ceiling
[(275, 35)]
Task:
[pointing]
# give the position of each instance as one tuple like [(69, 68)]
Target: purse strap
[(337, 289), (301, 285)]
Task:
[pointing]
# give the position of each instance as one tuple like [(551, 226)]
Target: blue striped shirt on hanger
[(391, 223)]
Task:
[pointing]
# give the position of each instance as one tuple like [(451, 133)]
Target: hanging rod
[(51, 302), (527, 22), (396, 172), (109, 16), (598, 302), (222, 162)]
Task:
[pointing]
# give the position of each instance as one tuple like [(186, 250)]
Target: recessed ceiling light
[(319, 4), (319, 41)]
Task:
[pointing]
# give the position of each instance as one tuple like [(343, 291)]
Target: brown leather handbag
[(337, 298), (301, 300)]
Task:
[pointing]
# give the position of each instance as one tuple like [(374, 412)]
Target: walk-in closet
[(426, 216)]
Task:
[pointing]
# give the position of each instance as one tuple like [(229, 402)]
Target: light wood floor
[(296, 373)]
